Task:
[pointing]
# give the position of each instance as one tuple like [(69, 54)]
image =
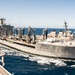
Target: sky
[(38, 13)]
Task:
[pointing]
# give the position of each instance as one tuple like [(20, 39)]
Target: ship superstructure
[(5, 29)]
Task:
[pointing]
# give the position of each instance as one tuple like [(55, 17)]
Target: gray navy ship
[(61, 45)]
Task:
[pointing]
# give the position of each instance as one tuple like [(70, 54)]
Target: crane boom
[(45, 30), (29, 34)]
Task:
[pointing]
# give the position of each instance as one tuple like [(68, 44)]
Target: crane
[(30, 30), (45, 31)]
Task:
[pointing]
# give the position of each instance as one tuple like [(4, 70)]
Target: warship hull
[(64, 52)]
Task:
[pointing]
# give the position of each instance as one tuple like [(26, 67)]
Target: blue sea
[(38, 31), (19, 63)]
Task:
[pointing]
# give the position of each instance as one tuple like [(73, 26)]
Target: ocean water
[(38, 31), (19, 63)]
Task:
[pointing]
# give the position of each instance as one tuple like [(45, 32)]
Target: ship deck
[(21, 43), (3, 71), (26, 49)]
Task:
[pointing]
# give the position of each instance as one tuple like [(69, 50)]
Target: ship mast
[(65, 27)]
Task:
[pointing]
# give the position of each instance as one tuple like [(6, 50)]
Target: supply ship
[(53, 45)]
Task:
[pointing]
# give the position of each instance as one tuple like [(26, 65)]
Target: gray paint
[(59, 51)]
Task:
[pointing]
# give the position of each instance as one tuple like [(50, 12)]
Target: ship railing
[(2, 58)]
